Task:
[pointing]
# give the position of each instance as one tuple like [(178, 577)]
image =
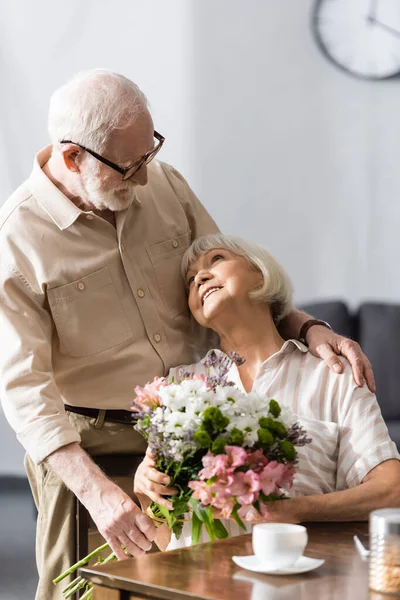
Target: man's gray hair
[(276, 290), (91, 105)]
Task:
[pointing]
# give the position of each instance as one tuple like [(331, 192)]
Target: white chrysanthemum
[(193, 387), (178, 423), (173, 397), (243, 422), (228, 395), (196, 406), (286, 417), (254, 403), (250, 438)]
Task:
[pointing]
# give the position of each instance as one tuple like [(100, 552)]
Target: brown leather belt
[(126, 417)]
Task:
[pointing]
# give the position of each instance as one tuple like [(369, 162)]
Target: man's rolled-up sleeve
[(29, 395)]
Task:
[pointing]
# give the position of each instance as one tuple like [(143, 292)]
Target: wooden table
[(207, 572)]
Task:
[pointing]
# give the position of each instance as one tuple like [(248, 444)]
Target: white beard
[(101, 199)]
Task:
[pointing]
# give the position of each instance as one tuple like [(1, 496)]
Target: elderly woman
[(351, 467)]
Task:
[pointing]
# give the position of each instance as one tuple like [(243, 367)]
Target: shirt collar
[(272, 362), (61, 210), (287, 348)]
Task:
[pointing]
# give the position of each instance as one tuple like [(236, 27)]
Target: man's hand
[(117, 517), (327, 345), (120, 521), (150, 483)]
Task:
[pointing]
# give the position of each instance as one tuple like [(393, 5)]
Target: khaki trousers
[(55, 532)]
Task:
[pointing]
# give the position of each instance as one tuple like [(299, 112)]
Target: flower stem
[(80, 563), (88, 594), (109, 558), (70, 585), (80, 584)]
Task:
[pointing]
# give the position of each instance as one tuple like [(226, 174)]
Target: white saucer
[(302, 565)]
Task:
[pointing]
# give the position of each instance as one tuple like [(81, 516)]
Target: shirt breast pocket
[(88, 315), (166, 259)]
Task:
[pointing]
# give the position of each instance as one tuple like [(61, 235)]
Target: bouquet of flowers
[(226, 451)]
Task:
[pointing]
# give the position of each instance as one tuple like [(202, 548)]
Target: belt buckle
[(98, 424)]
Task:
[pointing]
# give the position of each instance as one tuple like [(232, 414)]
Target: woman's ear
[(259, 281), (70, 153)]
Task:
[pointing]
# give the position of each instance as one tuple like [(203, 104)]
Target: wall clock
[(361, 37)]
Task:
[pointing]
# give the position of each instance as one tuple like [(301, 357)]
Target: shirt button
[(122, 248), (175, 243), (89, 217), (157, 337), (140, 293), (81, 286)]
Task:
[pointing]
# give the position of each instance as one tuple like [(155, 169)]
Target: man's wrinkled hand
[(121, 522), (327, 345)]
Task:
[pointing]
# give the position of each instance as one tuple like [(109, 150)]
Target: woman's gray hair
[(91, 105), (276, 290)]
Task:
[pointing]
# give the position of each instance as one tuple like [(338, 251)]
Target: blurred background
[(280, 145)]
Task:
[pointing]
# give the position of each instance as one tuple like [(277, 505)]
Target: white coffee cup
[(279, 545)]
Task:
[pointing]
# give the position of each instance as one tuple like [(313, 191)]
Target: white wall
[(43, 43), (292, 152), (281, 147)]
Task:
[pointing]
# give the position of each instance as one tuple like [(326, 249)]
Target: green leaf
[(168, 515), (204, 514), (220, 531), (237, 519), (197, 526), (209, 523), (177, 529), (269, 497)]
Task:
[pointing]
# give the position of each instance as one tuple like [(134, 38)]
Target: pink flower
[(224, 505), (256, 460), (271, 477), (214, 465), (249, 513), (201, 492), (223, 465), (236, 456), (147, 396), (246, 487), (218, 494), (286, 480)]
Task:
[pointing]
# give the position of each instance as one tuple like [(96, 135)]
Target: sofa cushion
[(394, 432), (336, 314), (379, 337)]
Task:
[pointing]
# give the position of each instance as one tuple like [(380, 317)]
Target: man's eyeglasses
[(126, 172)]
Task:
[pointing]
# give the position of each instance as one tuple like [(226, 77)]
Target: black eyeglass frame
[(126, 172)]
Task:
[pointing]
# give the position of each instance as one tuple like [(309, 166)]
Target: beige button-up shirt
[(88, 311)]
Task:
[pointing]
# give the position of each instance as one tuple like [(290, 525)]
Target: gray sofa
[(376, 327)]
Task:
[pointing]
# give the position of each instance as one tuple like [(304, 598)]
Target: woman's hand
[(152, 484), (327, 344)]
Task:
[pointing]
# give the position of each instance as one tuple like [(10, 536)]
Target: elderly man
[(92, 304)]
